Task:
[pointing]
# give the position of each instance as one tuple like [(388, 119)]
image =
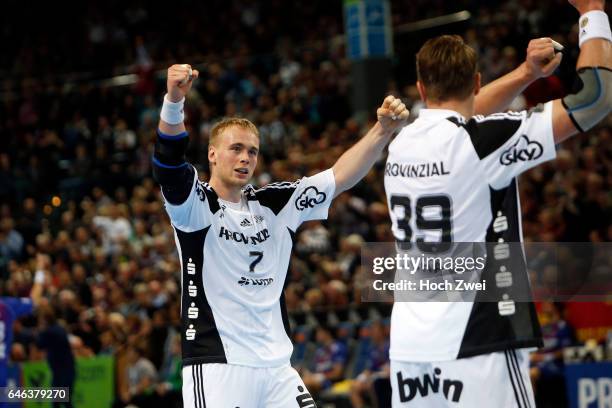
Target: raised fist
[(392, 114), (180, 79)]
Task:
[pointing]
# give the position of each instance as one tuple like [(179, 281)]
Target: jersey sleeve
[(193, 213), (310, 199), (304, 200), (19, 306), (184, 195), (509, 144)]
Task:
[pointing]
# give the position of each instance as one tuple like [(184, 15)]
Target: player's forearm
[(499, 94), (355, 163), (595, 53), (171, 130), (593, 102)]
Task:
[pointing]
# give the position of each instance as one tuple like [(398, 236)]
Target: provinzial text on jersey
[(260, 237), (416, 170)]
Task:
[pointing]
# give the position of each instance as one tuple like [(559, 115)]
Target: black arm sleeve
[(170, 170)]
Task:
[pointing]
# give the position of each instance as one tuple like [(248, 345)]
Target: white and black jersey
[(448, 179), (235, 260)]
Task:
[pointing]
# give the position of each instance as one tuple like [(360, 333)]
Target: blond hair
[(219, 127)]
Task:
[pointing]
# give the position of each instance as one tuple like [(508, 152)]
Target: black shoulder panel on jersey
[(487, 329), (275, 195), (491, 132), (211, 197), (455, 121), (201, 342), (176, 183)]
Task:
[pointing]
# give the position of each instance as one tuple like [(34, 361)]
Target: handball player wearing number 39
[(474, 354)]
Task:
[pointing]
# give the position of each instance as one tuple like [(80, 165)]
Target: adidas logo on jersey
[(426, 384), (245, 223)]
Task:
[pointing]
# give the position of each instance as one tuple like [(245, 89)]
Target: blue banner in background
[(368, 28), (589, 385)]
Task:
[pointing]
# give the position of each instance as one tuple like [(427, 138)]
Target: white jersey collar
[(439, 114)]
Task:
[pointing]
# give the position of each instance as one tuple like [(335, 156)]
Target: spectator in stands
[(329, 361), (547, 363), (141, 376), (376, 369), (169, 388), (53, 338)]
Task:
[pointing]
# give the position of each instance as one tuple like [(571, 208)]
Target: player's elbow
[(593, 101)]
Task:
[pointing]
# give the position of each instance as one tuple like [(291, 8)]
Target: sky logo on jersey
[(523, 150), (309, 198), (260, 237), (304, 400), (426, 385), (255, 282)]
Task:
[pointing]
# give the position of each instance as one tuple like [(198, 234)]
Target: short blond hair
[(219, 127)]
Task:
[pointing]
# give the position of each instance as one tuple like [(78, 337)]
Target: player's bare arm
[(355, 163), (582, 110), (179, 81), (541, 61)]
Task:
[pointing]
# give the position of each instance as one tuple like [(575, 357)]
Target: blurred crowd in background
[(75, 171)]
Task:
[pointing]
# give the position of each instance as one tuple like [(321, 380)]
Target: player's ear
[(422, 91), (212, 155), (477, 79)]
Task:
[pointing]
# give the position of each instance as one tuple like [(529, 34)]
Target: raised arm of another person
[(355, 163), (540, 62), (593, 102), (43, 264)]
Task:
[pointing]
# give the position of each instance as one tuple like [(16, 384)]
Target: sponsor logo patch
[(255, 282), (309, 198), (304, 400), (410, 387), (523, 150)]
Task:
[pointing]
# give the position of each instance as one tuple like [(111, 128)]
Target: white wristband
[(39, 277), (172, 112), (594, 24)]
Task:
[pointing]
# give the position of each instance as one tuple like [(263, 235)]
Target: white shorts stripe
[(514, 385), (514, 357)]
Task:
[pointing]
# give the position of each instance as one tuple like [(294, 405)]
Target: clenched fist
[(392, 115), (180, 79), (541, 59)]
